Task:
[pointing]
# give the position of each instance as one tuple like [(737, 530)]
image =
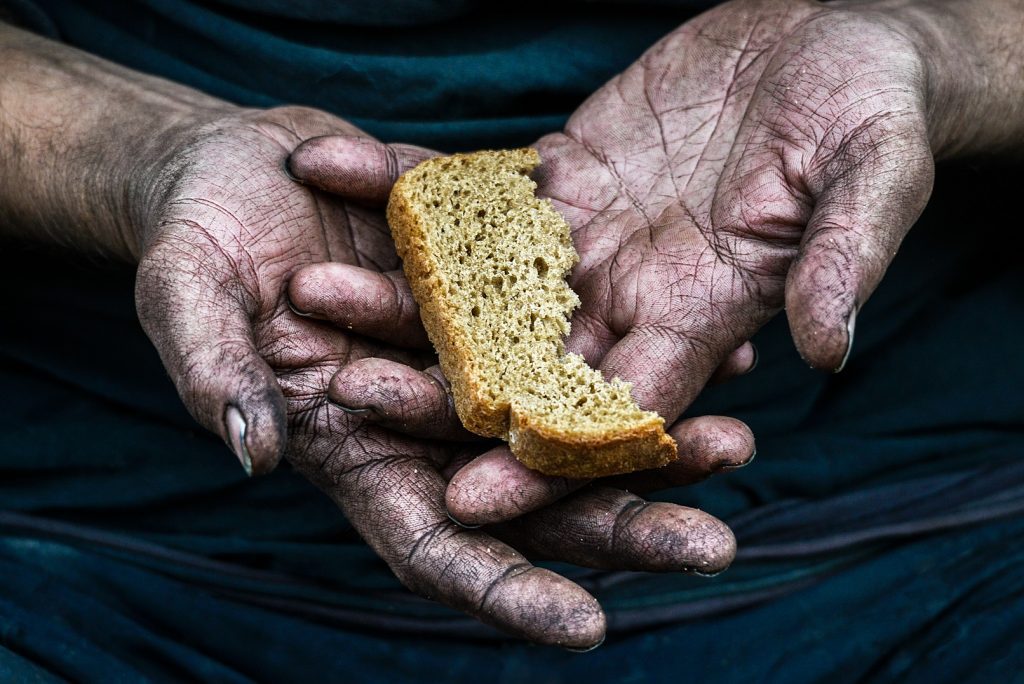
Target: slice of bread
[(487, 262)]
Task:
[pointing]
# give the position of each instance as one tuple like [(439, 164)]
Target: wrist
[(141, 182), (83, 144), (974, 67)]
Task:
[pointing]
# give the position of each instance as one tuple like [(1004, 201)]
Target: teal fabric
[(879, 527), (459, 78)]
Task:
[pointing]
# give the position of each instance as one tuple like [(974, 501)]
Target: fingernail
[(360, 412), (234, 424), (757, 357), (728, 467), (585, 649), (851, 323), (460, 523), (289, 173), (698, 573), (295, 311)]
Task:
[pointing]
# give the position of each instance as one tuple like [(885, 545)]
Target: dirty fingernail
[(851, 324), (287, 166), (234, 423), (359, 412), (586, 649), (460, 523), (295, 311), (727, 467)]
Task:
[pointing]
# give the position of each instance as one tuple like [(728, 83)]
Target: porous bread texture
[(487, 262)]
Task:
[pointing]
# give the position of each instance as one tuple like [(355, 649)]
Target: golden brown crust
[(567, 455), (560, 453)]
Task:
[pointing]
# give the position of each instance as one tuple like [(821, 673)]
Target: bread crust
[(568, 455), (552, 452)]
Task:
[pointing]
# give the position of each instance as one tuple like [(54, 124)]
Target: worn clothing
[(880, 528)]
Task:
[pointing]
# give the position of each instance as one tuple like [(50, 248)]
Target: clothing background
[(878, 540)]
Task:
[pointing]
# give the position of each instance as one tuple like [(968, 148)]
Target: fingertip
[(590, 337), (465, 526), (823, 340), (304, 289), (719, 441), (477, 494), (851, 324), (399, 398), (356, 167), (821, 308), (712, 546), (741, 361), (378, 305), (586, 649), (256, 431), (466, 498), (547, 609), (305, 160), (667, 369), (370, 383), (495, 487)]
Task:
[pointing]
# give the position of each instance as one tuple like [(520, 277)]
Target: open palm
[(763, 154)]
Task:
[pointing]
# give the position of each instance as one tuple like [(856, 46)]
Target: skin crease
[(203, 196), (215, 233), (221, 231), (766, 155)]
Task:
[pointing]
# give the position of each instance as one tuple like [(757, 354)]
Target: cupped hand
[(765, 155), (494, 487), (228, 236)]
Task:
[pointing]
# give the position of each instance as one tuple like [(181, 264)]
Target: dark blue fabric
[(462, 78), (879, 528)]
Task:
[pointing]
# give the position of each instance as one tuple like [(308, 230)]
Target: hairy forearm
[(82, 143)]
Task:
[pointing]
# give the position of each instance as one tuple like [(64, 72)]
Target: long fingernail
[(585, 649), (851, 323), (460, 523), (234, 423)]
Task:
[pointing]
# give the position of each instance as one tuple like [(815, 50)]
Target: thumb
[(204, 336), (861, 215), (356, 168), (667, 366)]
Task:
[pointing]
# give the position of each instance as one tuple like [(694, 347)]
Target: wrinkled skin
[(765, 154), (230, 233)]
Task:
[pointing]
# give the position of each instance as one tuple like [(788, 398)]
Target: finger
[(677, 311), (866, 200), (496, 487), (400, 398), (743, 360), (707, 445), (377, 305), (667, 366), (589, 335), (204, 336), (611, 529), (355, 167), (391, 491)]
